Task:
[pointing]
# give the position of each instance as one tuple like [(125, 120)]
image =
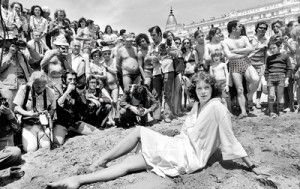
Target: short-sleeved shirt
[(19, 99)]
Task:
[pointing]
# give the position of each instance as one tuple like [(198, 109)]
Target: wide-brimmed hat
[(128, 37), (106, 48), (61, 40)]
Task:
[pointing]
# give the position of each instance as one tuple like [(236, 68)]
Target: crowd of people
[(58, 76)]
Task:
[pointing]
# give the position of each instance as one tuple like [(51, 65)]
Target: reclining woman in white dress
[(207, 127)]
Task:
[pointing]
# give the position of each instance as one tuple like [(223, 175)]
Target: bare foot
[(68, 183)]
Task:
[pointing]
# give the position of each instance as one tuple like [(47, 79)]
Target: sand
[(271, 143)]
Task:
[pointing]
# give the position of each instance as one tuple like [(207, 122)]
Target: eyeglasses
[(177, 43), (106, 54), (96, 55), (186, 43), (262, 28)]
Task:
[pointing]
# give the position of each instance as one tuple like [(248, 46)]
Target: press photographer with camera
[(57, 60), (15, 67), (9, 155), (137, 101), (70, 109), (162, 51), (35, 102)]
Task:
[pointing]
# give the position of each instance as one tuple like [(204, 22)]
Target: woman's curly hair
[(207, 78)]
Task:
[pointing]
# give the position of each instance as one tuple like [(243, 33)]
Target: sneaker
[(273, 115), (242, 116)]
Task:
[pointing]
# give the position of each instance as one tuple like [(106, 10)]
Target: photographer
[(36, 103), (162, 53), (15, 67), (137, 101), (57, 61), (9, 155), (70, 109)]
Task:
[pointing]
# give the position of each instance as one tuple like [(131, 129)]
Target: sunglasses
[(106, 54), (186, 43), (177, 43), (262, 28)]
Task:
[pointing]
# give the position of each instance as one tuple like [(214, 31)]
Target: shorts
[(133, 77), (276, 79), (239, 65)]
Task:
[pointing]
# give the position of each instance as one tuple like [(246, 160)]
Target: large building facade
[(285, 10)]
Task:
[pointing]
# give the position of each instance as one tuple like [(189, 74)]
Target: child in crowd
[(219, 70), (277, 72)]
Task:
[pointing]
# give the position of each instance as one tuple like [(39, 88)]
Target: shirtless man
[(199, 48), (127, 62), (237, 48)]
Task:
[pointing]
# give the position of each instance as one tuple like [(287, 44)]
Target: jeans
[(157, 92), (168, 94)]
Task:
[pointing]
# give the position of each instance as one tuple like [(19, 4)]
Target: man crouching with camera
[(36, 103), (9, 154)]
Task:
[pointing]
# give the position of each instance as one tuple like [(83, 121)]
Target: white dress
[(200, 137)]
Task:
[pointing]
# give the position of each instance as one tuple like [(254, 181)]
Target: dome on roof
[(171, 19)]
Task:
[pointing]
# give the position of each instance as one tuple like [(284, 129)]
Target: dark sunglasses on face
[(177, 43), (106, 54), (186, 43), (262, 28)]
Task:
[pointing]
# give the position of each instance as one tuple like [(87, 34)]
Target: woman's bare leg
[(130, 164), (125, 146)]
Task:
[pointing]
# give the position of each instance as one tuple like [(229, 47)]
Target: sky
[(139, 15)]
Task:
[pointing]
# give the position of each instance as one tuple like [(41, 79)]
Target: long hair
[(141, 36), (207, 78), (183, 49), (36, 6), (106, 27), (212, 32)]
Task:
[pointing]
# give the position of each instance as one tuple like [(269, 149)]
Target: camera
[(14, 41), (4, 102), (43, 119), (169, 42)]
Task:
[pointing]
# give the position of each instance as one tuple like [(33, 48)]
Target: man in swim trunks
[(127, 62), (237, 48)]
